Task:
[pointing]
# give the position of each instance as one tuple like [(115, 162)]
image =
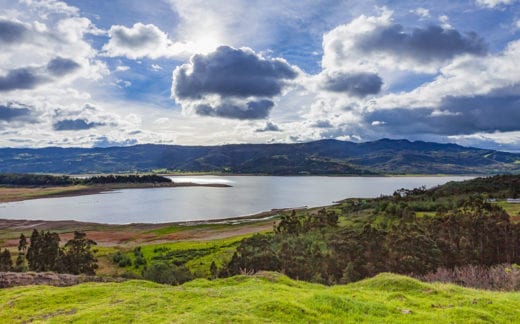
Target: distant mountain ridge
[(329, 157)]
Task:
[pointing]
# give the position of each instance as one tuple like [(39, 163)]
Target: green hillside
[(265, 297), (321, 157)]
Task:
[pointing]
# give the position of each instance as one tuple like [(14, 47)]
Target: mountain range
[(327, 157)]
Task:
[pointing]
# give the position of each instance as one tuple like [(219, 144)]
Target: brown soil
[(9, 194), (135, 234), (12, 279)]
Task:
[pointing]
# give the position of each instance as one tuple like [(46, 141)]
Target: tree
[(22, 243), (21, 264), (213, 270), (6, 264), (77, 255), (44, 252)]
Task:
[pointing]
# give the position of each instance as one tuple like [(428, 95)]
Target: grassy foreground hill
[(264, 297)]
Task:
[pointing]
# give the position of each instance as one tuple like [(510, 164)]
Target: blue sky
[(103, 73)]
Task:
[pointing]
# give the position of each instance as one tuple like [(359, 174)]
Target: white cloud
[(445, 21), (421, 12), (140, 41), (494, 3), (377, 44), (516, 24), (122, 68)]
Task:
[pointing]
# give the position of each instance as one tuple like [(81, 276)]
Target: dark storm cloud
[(30, 77), (62, 66), (432, 43), (9, 113), (356, 84), (11, 31), (23, 78), (269, 127), (231, 72), (250, 110), (322, 124), (75, 124), (455, 116)]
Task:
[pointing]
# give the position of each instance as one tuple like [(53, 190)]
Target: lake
[(249, 195)]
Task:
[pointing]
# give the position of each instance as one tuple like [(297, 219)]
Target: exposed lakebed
[(248, 195)]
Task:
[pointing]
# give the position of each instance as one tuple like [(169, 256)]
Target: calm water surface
[(249, 195)]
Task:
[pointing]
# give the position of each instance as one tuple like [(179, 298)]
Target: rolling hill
[(264, 297), (321, 157)]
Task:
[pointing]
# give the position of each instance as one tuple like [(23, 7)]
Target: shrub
[(167, 273)]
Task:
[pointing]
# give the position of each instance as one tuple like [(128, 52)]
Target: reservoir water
[(248, 195)]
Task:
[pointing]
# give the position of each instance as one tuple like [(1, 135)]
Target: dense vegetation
[(263, 298), (16, 179), (43, 253), (321, 157)]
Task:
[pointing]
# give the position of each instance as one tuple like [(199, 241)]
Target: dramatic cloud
[(30, 77), (433, 43), (10, 113), (230, 83), (62, 66), (356, 84), (455, 116), (24, 78), (11, 31), (75, 124), (269, 127), (231, 72), (249, 110), (369, 43)]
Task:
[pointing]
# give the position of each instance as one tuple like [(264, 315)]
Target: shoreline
[(18, 193), (12, 224)]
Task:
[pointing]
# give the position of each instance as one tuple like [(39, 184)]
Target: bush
[(122, 260), (166, 273)]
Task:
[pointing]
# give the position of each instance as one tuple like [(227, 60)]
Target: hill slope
[(265, 297), (320, 157)]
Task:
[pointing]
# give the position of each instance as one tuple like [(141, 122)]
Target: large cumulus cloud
[(355, 84), (454, 116), (11, 31), (231, 83), (30, 77), (372, 43)]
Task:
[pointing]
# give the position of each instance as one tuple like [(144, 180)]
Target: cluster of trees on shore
[(390, 238), (43, 253), (15, 179)]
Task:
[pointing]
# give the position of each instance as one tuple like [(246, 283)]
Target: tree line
[(314, 248), (15, 179), (43, 253)]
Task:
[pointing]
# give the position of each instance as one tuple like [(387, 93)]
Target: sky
[(93, 73)]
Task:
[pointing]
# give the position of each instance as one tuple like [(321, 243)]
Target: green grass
[(196, 255), (511, 209), (267, 297)]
